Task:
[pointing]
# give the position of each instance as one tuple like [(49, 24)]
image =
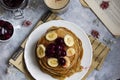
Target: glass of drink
[(57, 6)]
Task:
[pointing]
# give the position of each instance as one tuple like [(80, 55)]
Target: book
[(108, 13)]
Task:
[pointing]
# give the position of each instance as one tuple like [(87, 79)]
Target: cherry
[(104, 4), (50, 50), (50, 53), (27, 23), (58, 53), (59, 40), (51, 46), (63, 53), (61, 61), (58, 47), (95, 33)]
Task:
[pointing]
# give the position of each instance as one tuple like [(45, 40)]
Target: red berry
[(27, 23), (63, 53), (104, 4), (59, 40), (95, 33), (61, 61), (50, 50), (58, 47)]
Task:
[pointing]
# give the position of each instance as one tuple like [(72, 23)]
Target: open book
[(110, 15)]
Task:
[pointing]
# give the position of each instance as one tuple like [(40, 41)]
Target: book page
[(109, 16)]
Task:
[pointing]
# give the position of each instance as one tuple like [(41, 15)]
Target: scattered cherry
[(50, 50), (27, 23), (95, 33), (104, 4), (58, 53)]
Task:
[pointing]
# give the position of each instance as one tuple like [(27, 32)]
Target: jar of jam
[(6, 31)]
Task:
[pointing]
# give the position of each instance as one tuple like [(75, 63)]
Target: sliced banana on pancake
[(41, 51), (53, 62), (67, 62), (70, 51), (52, 35), (69, 41)]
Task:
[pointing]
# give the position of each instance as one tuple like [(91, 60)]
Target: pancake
[(58, 71)]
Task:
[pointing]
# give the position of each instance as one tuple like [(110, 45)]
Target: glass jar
[(16, 6)]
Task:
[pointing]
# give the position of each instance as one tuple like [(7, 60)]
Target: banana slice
[(53, 62), (67, 62), (69, 41), (70, 51), (50, 36), (41, 51)]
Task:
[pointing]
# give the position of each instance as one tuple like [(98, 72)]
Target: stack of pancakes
[(60, 72)]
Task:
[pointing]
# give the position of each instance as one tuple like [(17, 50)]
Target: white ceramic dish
[(29, 53)]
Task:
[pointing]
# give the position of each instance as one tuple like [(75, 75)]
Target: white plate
[(29, 53)]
